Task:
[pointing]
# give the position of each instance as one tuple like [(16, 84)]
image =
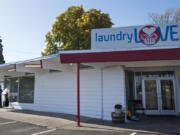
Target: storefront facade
[(124, 64)]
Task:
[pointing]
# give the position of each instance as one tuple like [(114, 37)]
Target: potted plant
[(118, 116), (118, 108)]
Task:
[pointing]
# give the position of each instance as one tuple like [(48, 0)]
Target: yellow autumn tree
[(72, 29)]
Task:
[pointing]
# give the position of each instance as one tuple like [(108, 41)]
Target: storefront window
[(7, 83), (158, 74), (26, 90), (21, 89), (140, 75), (14, 82), (138, 80)]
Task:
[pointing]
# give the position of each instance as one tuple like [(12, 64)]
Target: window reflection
[(21, 89), (26, 90), (140, 75), (138, 79), (167, 95)]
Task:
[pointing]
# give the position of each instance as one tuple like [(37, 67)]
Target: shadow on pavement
[(160, 124)]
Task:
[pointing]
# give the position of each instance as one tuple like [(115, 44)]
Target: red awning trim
[(41, 64), (14, 67), (121, 56)]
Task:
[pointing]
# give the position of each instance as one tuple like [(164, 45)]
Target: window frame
[(18, 77)]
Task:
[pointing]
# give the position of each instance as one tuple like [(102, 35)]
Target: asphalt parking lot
[(11, 127)]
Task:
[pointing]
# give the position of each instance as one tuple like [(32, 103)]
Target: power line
[(18, 51)]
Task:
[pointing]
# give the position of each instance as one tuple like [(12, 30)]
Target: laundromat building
[(123, 64)]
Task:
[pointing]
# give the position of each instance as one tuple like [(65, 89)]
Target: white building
[(124, 64)]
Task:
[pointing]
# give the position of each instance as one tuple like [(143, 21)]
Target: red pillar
[(78, 96)]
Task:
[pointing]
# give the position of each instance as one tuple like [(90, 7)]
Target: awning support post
[(78, 95)]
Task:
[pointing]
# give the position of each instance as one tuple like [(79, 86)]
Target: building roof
[(89, 56), (29, 60), (121, 56)]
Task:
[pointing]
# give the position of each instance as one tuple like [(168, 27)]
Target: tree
[(51, 46), (2, 61), (72, 29), (169, 16)]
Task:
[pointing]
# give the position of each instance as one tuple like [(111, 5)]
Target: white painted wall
[(113, 90), (56, 92), (90, 93)]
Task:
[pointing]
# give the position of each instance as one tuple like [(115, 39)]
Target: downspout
[(14, 67), (78, 96), (102, 98)]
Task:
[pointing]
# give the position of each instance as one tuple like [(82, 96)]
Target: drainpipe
[(102, 95), (78, 96), (14, 67)]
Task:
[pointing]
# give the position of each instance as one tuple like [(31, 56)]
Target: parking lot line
[(44, 132), (5, 123)]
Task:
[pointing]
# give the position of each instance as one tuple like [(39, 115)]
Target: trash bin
[(118, 117)]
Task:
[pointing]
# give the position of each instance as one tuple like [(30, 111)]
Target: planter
[(118, 110), (118, 117)]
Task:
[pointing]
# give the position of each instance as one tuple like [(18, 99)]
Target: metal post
[(14, 67), (78, 96)]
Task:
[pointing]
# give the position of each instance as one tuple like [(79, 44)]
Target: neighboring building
[(124, 64)]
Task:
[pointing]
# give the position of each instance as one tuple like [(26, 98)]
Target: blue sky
[(24, 23)]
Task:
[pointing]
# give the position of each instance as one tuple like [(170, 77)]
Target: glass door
[(167, 96), (151, 96), (158, 96)]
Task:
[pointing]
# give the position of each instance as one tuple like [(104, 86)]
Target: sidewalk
[(161, 125), (37, 118)]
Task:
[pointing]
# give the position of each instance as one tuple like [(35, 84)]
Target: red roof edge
[(121, 56)]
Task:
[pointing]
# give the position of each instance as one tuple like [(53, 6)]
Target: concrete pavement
[(168, 125), (33, 118), (10, 127)]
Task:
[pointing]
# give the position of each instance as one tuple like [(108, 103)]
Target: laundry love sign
[(136, 38)]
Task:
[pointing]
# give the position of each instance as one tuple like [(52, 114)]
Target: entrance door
[(158, 96), (167, 96), (151, 96)]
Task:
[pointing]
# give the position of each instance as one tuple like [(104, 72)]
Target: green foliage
[(72, 29), (51, 46), (2, 61)]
